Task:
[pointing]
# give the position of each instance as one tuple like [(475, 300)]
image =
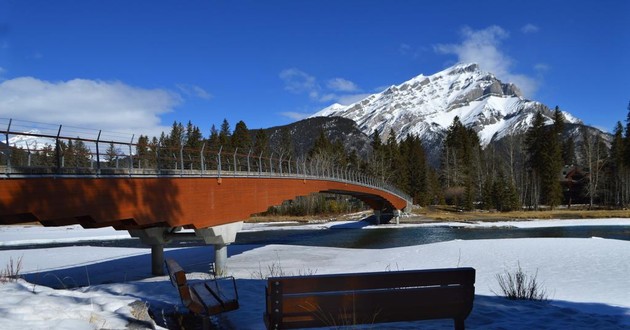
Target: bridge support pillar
[(377, 216), (157, 259), (397, 216), (156, 237), (220, 236), (220, 259)]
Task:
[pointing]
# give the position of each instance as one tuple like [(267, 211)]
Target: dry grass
[(449, 213), (518, 285), (445, 213), (11, 272)]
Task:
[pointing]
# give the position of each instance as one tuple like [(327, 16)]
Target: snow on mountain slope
[(426, 106), (30, 142)]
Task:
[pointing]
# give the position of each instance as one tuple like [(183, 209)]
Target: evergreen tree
[(376, 141), (224, 135), (535, 145), (461, 164), (545, 159), (192, 147), (213, 140), (261, 143), (414, 169), (617, 177), (145, 158), (241, 138), (82, 154), (111, 154), (552, 190), (568, 152)]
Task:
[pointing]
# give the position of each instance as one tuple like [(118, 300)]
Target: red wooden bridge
[(155, 194)]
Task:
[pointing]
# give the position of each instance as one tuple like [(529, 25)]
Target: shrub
[(519, 285), (12, 271)]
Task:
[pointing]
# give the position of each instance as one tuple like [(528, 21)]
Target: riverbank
[(434, 214), (586, 278)]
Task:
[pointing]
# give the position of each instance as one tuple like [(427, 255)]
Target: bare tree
[(594, 156)]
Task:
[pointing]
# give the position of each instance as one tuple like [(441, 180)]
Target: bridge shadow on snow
[(127, 269), (489, 312)]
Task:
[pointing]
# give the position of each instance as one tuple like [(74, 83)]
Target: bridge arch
[(139, 202)]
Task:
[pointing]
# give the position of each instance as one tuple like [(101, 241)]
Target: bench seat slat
[(203, 297), (376, 280)]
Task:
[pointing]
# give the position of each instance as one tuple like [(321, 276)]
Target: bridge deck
[(140, 201)]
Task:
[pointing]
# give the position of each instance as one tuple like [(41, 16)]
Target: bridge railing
[(34, 149)]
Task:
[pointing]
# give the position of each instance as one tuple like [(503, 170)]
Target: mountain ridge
[(425, 106)]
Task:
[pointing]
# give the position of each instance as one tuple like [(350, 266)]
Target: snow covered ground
[(588, 280)]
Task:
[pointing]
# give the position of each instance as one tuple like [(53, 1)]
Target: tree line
[(544, 167)]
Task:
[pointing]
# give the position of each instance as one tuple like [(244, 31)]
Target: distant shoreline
[(436, 214)]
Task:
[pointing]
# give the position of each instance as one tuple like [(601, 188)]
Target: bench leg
[(459, 324), (205, 322)]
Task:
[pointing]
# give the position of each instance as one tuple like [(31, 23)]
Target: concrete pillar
[(220, 259), (156, 238), (157, 259), (377, 216), (397, 216), (220, 237)]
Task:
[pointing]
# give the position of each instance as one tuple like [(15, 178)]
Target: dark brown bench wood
[(366, 298), (203, 298)]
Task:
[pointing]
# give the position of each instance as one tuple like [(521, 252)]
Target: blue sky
[(138, 65)]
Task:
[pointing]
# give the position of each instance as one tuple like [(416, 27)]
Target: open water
[(377, 238)]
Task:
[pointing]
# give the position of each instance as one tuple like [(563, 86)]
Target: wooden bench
[(203, 298), (366, 298)]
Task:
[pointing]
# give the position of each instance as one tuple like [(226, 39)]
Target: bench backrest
[(178, 279), (346, 299)]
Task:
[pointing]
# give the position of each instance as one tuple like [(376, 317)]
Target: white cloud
[(93, 104), (298, 82), (530, 28), (295, 115), (194, 90), (404, 49), (342, 85), (541, 67), (483, 47), (338, 90), (351, 98)]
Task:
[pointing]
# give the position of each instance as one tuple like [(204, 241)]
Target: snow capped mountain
[(28, 141), (426, 106)]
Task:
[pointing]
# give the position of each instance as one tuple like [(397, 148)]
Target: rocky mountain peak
[(426, 106)]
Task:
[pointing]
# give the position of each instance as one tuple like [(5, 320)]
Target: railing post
[(280, 163), (131, 155), (219, 161), (8, 147), (202, 159), (181, 159), (289, 164), (58, 150), (98, 154), (157, 158), (260, 164), (235, 160), (248, 155), (271, 164)]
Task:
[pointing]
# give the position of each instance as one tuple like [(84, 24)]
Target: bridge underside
[(128, 203)]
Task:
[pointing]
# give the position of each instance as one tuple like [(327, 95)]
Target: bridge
[(155, 191)]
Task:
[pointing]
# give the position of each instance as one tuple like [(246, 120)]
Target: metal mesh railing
[(36, 149)]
